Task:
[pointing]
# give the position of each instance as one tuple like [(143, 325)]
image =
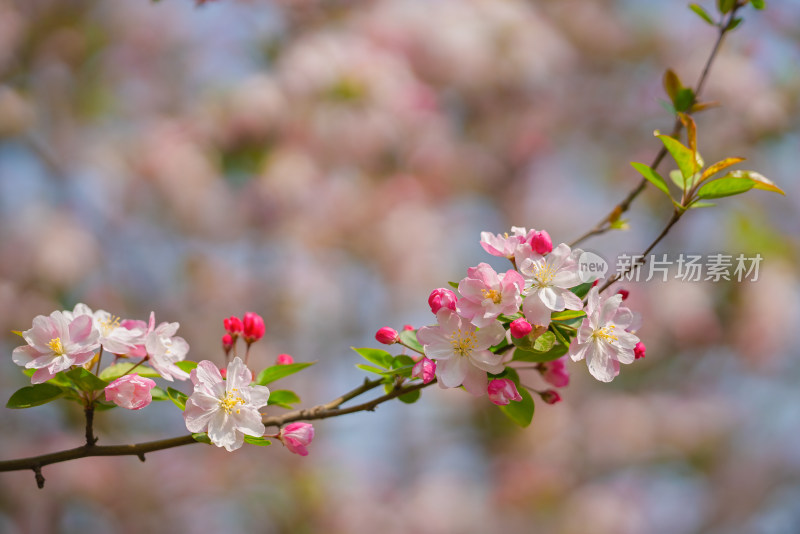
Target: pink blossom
[(541, 242), (284, 359), (296, 436), (602, 337), (502, 391), (226, 409), (639, 350), (55, 344), (548, 282), (520, 328), (130, 391), (165, 349), (461, 351), (387, 336), (555, 372), (486, 294), (112, 335), (424, 369), (504, 245), (233, 325), (550, 396), (140, 328), (252, 327), (442, 298)]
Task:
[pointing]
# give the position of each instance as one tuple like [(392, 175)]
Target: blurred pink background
[(326, 164)]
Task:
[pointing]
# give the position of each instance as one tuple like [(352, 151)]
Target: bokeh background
[(326, 163)]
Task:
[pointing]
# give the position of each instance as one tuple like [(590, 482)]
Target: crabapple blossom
[(252, 327), (555, 373), (225, 408), (130, 391), (114, 337), (487, 294), (602, 338), (284, 359), (504, 245), (548, 280), (461, 351), (541, 243), (520, 328), (387, 336), (442, 298), (424, 369), (296, 436), (165, 349), (56, 343), (502, 391)]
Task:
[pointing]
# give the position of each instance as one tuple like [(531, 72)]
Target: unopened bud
[(442, 298), (639, 350), (550, 396), (541, 242), (520, 328), (387, 336)]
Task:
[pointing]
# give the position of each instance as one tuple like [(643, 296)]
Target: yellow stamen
[(493, 294), (56, 346), (109, 324), (230, 401), (463, 342), (606, 333), (543, 275)]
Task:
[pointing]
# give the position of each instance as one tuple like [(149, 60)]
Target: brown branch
[(322, 411), (605, 225)]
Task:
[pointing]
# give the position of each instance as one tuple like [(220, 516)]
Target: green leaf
[(735, 23), (178, 398), (202, 437), (544, 342), (409, 339), (684, 157), (520, 412), (84, 380), (699, 204), (758, 4), (567, 315), (283, 398), (759, 181), (102, 406), (652, 176), (159, 394), (454, 285), (186, 365), (672, 84), (410, 398), (371, 369), (582, 290), (401, 361), (718, 166), (702, 13), (376, 356), (112, 372), (253, 440), (276, 372), (725, 6), (725, 187), (684, 100), (34, 395), (521, 355)]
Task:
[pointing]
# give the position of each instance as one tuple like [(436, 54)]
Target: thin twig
[(605, 225)]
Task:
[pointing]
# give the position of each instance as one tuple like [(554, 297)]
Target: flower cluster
[(532, 313)]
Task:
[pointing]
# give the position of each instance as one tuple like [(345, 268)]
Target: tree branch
[(605, 225)]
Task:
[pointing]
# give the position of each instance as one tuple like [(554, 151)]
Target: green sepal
[(276, 372), (102, 406), (34, 395), (201, 437)]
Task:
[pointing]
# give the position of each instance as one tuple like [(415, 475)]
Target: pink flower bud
[(555, 373), (639, 350), (387, 336), (442, 298), (520, 328), (541, 242), (408, 327), (595, 282), (130, 391), (502, 391), (624, 293), (252, 327), (295, 436), (233, 325), (227, 343), (424, 369), (550, 396), (284, 359), (223, 371)]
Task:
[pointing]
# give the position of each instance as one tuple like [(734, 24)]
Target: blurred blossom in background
[(327, 164)]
